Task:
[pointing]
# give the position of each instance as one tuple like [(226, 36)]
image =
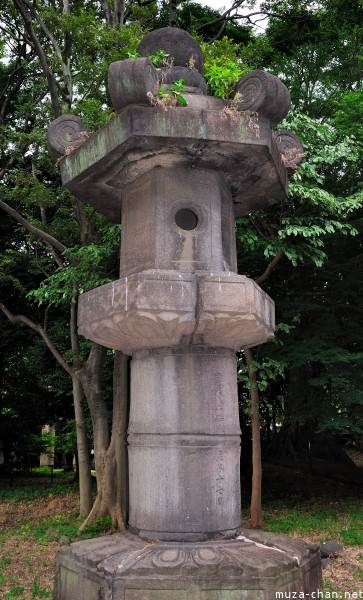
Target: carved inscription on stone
[(220, 478), (219, 404)]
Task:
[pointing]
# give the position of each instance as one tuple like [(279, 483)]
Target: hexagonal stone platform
[(141, 138), (156, 309), (125, 567)]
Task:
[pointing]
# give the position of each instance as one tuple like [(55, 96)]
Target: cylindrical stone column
[(184, 444)]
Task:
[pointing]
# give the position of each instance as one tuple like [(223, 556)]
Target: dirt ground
[(27, 564)]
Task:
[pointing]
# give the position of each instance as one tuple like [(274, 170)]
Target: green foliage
[(348, 115), (266, 370), (53, 527), (315, 228), (95, 114), (223, 67), (28, 536), (173, 95), (312, 210), (316, 52), (14, 592), (191, 15), (38, 592), (83, 272), (41, 444), (159, 59)]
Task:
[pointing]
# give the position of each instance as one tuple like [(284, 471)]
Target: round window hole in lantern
[(186, 219)]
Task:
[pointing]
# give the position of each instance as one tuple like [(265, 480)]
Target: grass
[(35, 513), (341, 520), (319, 519)]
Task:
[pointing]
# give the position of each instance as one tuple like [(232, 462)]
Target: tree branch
[(39, 329), (27, 17), (228, 17), (49, 239), (18, 72), (11, 162), (45, 30), (58, 52), (219, 34), (118, 13), (270, 267)]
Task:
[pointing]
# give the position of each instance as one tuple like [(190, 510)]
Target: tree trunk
[(172, 13), (90, 376), (118, 13), (111, 463), (84, 471), (121, 404), (85, 482), (256, 504)]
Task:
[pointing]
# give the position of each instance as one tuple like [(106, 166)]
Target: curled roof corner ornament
[(130, 81), (66, 133), (263, 93), (291, 149)]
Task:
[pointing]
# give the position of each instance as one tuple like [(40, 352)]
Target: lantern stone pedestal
[(177, 177), (124, 567)]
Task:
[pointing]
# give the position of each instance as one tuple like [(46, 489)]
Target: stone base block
[(255, 566)]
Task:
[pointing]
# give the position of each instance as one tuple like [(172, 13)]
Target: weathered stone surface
[(291, 149), (130, 80), (65, 133), (202, 102), (329, 549), (264, 94), (184, 434), (125, 567), (177, 219), (233, 312), (156, 309), (151, 309), (177, 43), (326, 562), (141, 138)]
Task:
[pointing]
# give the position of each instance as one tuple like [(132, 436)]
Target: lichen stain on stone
[(202, 130), (164, 126), (187, 258)]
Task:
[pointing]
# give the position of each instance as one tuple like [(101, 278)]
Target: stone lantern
[(177, 177)]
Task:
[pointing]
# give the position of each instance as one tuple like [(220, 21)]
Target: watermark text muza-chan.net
[(321, 595)]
